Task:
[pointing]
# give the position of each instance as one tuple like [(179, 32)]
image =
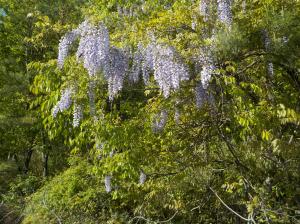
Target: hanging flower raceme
[(107, 182), (147, 64), (93, 49), (224, 12), (204, 9), (164, 62), (115, 71), (65, 101), (208, 66), (169, 71), (160, 121), (77, 115), (136, 64), (267, 44), (64, 46)]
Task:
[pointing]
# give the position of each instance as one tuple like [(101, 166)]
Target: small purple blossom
[(160, 121), (143, 178), (107, 182)]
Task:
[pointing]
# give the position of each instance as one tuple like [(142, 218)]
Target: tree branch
[(148, 220), (230, 209)]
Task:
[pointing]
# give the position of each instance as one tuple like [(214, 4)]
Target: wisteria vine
[(168, 68)]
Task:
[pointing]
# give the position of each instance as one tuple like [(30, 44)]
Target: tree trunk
[(15, 158), (8, 157), (45, 164), (27, 160)]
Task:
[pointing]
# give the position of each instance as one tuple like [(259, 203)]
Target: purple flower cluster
[(64, 103), (116, 71), (208, 66), (64, 46), (161, 60), (267, 44), (93, 49), (203, 96), (77, 115), (143, 178), (94, 45), (136, 64), (169, 71), (147, 64), (107, 182), (266, 39), (160, 121), (224, 12), (204, 9)]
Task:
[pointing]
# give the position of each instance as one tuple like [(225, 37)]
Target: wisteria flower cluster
[(77, 115), (160, 121), (203, 96), (65, 101), (116, 71), (136, 64), (168, 70), (177, 116), (94, 45), (147, 64), (204, 9), (164, 62), (64, 46), (64, 104), (208, 67), (224, 12), (143, 178), (267, 44), (96, 54), (107, 182)]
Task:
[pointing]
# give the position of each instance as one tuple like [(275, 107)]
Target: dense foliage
[(150, 111)]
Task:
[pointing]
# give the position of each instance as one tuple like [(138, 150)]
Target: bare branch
[(230, 209), (148, 220)]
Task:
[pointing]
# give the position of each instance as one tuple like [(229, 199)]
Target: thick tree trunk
[(45, 164), (8, 156), (15, 158), (27, 160)]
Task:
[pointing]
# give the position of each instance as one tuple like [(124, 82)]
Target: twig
[(201, 204), (230, 209), (148, 220), (247, 67), (231, 150)]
